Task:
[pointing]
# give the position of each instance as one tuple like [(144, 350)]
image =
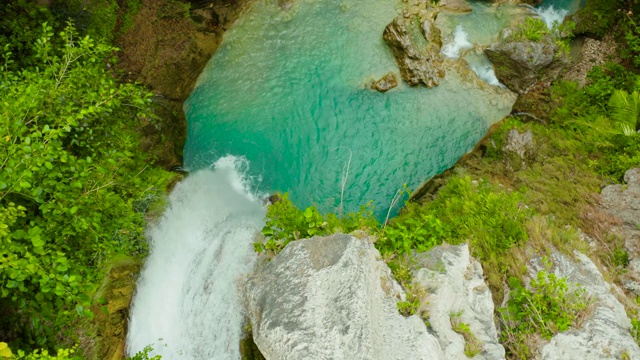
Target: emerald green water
[(288, 91)]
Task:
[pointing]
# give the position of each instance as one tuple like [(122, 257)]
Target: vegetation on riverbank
[(75, 189)]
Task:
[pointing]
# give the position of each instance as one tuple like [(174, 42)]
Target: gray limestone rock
[(454, 283), (605, 333), (418, 59), (520, 144), (332, 298), (519, 64), (623, 203)]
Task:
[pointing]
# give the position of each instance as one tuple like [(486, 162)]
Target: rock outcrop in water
[(333, 298), (604, 334), (519, 63), (386, 83), (456, 6), (415, 44), (456, 291)]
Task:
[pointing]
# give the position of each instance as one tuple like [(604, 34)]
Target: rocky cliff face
[(166, 49), (622, 202)]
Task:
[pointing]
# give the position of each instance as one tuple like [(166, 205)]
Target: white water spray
[(550, 15), (186, 304), (460, 42)]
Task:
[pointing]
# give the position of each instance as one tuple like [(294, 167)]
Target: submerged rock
[(604, 334), (456, 6), (519, 64), (456, 288), (386, 83), (332, 298), (417, 57)]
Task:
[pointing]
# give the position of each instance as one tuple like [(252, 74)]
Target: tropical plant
[(625, 110)]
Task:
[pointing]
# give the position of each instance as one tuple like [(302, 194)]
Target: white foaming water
[(460, 42), (186, 304), (550, 15), (486, 73), (482, 66)]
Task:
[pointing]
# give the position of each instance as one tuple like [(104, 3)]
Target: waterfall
[(186, 304), (550, 15), (460, 42)]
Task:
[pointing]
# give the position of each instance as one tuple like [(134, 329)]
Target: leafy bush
[(533, 29), (69, 179), (286, 223), (490, 218), (548, 307)]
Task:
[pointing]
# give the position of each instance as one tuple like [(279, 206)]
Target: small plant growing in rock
[(532, 29), (547, 307), (472, 345)]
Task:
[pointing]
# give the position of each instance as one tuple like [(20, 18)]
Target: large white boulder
[(332, 298)]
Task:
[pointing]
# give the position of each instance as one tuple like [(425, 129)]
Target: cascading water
[(459, 43), (186, 304), (287, 89)]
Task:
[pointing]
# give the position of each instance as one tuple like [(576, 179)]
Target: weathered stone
[(605, 333), (455, 284), (417, 58), (623, 203), (332, 298), (519, 64), (112, 310), (520, 144), (386, 83), (456, 6)]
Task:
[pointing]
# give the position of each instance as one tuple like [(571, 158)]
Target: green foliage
[(70, 178), (174, 9), (409, 306), (533, 29), (18, 20), (489, 217), (144, 355), (472, 345), (547, 307), (625, 109), (285, 223), (100, 19)]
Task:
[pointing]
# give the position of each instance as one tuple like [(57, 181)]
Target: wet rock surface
[(332, 298), (386, 83), (519, 64), (418, 58), (456, 6)]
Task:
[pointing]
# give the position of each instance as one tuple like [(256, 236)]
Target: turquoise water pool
[(288, 90)]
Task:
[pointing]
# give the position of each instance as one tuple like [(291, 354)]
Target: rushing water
[(288, 90), (186, 304), (288, 93)]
